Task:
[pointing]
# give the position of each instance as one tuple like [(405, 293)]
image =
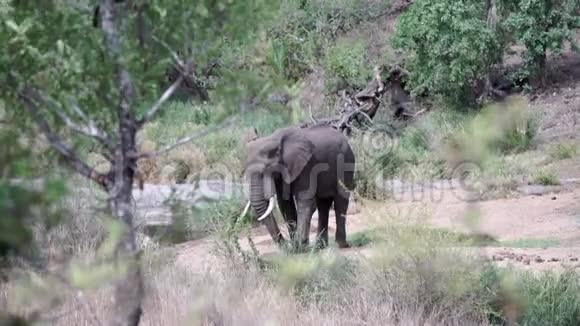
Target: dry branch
[(189, 138), (185, 71), (156, 108), (89, 129), (58, 144), (364, 104)]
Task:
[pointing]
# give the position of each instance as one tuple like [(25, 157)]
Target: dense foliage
[(55, 48), (24, 204), (541, 26), (449, 47)]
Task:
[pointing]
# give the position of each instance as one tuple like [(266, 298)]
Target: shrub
[(449, 46), (345, 65), (502, 128), (551, 298), (546, 178), (541, 25), (305, 29), (564, 151)]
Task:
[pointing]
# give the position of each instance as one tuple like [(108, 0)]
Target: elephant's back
[(327, 139)]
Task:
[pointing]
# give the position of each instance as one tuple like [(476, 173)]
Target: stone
[(526, 261)]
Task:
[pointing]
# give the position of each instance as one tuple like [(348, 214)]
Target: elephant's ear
[(296, 151)]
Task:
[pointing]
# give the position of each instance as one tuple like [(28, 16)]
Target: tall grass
[(216, 154), (408, 275)]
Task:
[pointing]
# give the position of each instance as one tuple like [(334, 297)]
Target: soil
[(550, 220)]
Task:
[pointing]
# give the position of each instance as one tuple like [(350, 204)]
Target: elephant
[(305, 168)]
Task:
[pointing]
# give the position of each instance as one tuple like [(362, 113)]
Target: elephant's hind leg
[(323, 206), (340, 209)]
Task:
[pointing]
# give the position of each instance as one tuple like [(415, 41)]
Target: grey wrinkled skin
[(306, 168)]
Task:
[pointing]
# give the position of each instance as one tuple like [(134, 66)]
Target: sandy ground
[(544, 229)]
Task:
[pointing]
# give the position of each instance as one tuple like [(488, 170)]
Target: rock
[(554, 198), (526, 261)]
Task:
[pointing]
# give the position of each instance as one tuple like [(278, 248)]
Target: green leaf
[(12, 25)]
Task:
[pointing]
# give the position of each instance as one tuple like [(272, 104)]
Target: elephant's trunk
[(260, 205)]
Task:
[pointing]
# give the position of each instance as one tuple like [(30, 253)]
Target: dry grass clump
[(176, 166), (408, 277)]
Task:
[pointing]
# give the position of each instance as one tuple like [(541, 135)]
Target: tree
[(76, 83), (23, 204), (541, 25), (449, 45)]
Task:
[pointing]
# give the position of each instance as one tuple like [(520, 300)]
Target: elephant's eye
[(272, 152)]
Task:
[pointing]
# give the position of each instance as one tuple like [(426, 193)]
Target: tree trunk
[(540, 66), (129, 289), (491, 22)]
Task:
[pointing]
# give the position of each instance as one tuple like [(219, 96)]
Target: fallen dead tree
[(361, 108)]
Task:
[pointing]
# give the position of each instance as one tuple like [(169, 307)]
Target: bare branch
[(89, 130), (80, 113), (311, 115), (156, 108), (56, 142), (187, 139), (168, 48)]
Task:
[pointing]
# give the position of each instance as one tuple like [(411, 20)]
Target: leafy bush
[(546, 178), (564, 151), (449, 47), (541, 25), (345, 63), (520, 137), (26, 205), (306, 28), (506, 127)]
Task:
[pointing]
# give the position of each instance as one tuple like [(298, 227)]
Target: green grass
[(546, 178), (551, 299), (412, 275), (436, 235), (345, 64), (530, 243), (563, 151), (304, 35), (217, 153), (442, 236)]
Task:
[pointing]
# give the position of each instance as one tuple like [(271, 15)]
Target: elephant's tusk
[(269, 210), (245, 211)]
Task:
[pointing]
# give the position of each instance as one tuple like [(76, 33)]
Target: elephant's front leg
[(287, 207), (305, 209), (288, 210)]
